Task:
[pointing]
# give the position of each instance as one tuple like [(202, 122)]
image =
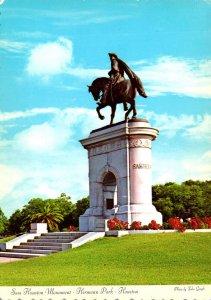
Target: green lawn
[(173, 258), (7, 239)]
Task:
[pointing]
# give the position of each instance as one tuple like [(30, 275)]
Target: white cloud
[(196, 127), (198, 167), (51, 58), (87, 73), (172, 167), (47, 159), (169, 125), (10, 176), (11, 46), (183, 77), (42, 138), (86, 17), (165, 170), (200, 131), (7, 116)]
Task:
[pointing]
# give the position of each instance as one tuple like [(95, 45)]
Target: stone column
[(140, 142)]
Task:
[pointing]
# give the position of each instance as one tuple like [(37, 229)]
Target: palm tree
[(49, 214)]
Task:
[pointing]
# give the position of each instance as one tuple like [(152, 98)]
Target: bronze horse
[(122, 92)]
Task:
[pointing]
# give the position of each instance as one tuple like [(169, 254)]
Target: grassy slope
[(7, 239), (177, 258)]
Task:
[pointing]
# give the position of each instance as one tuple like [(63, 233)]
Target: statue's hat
[(112, 54)]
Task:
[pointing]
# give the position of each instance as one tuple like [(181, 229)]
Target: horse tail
[(136, 81)]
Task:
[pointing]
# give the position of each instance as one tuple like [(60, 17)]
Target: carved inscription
[(107, 148), (141, 166), (141, 143)]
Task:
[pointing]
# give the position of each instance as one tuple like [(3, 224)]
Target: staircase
[(46, 243)]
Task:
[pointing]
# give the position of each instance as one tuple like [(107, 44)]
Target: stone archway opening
[(109, 194)]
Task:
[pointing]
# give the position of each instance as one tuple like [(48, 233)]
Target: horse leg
[(98, 111), (132, 107), (113, 110), (125, 105)]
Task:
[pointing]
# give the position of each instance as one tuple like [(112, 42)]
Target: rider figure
[(116, 75), (118, 67), (117, 72)]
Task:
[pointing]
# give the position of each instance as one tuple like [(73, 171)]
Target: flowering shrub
[(135, 225), (195, 223), (182, 227), (207, 221), (174, 222), (154, 225), (72, 228), (116, 224)]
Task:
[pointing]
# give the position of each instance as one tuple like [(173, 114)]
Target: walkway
[(8, 259)]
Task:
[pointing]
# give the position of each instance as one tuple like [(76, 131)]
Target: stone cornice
[(139, 128)]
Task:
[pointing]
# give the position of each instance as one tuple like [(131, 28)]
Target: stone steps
[(34, 243), (47, 243), (51, 240), (37, 247), (34, 251)]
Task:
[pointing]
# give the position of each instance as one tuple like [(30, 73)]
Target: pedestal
[(120, 175)]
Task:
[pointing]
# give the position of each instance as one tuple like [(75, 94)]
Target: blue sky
[(51, 49)]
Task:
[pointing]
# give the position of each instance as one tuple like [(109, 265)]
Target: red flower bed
[(207, 221), (72, 228), (135, 225), (182, 227), (195, 223), (174, 223), (154, 225), (116, 224)]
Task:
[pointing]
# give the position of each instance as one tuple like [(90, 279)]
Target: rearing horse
[(122, 92)]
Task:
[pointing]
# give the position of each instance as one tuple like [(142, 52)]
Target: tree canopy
[(3, 222), (188, 199), (58, 213)]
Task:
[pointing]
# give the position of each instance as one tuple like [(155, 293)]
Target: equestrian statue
[(116, 89)]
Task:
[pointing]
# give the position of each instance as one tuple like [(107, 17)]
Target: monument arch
[(110, 191)]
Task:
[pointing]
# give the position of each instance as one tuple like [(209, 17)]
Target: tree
[(67, 209), (3, 222), (81, 207), (188, 199), (48, 214), (165, 206), (16, 222), (34, 206), (20, 221)]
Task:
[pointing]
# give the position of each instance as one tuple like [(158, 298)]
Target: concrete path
[(8, 259)]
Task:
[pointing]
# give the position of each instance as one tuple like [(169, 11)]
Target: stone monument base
[(139, 212), (120, 175), (127, 213)]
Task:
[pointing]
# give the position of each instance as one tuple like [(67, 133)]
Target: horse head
[(97, 87), (95, 91)]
